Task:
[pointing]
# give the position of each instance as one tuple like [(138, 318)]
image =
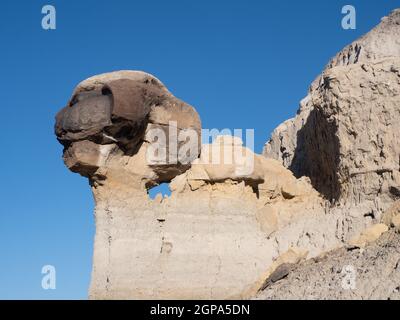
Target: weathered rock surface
[(390, 213), (236, 221), (369, 273), (344, 137), (230, 216), (368, 236), (381, 42), (119, 109)]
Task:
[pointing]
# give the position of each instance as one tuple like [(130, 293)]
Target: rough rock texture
[(231, 215), (117, 110), (381, 42), (368, 236), (367, 267), (390, 213), (370, 273), (237, 222), (344, 137)]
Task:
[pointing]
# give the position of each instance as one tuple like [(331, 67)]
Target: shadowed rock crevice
[(348, 117), (319, 157)]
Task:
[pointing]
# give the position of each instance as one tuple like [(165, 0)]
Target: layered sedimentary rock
[(236, 222), (231, 212), (370, 273), (344, 137), (367, 267)]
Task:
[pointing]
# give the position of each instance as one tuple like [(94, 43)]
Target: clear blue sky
[(242, 64)]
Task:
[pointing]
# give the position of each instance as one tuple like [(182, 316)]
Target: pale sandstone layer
[(225, 229)]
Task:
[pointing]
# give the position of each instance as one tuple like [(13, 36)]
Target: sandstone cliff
[(235, 224), (344, 137)]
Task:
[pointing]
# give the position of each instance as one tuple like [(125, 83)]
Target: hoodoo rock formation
[(239, 224)]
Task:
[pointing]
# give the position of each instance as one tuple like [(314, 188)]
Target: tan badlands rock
[(349, 140), (369, 235), (232, 227), (345, 134), (218, 233), (396, 223), (381, 42), (281, 267), (390, 213), (372, 273)]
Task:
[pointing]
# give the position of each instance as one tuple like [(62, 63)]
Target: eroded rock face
[(114, 113), (235, 221), (380, 43), (344, 137), (229, 216), (359, 274), (368, 267)]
